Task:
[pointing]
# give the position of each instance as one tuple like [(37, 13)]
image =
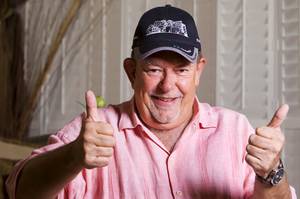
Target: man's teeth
[(166, 99)]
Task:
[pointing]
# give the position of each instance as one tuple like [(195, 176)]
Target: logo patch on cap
[(167, 26)]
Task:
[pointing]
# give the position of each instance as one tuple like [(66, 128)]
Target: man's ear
[(130, 68), (200, 66)]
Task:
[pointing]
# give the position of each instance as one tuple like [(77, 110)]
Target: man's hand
[(265, 146), (94, 146)]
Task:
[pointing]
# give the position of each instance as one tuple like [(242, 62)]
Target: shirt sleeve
[(294, 196), (64, 136)]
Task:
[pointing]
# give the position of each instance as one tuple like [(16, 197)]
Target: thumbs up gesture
[(94, 146), (265, 146)]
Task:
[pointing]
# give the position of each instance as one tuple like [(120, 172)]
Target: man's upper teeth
[(165, 99)]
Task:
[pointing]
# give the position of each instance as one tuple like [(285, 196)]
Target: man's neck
[(170, 137)]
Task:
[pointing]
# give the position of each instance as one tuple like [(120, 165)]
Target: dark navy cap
[(166, 28)]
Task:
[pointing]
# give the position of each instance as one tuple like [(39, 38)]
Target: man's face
[(164, 89)]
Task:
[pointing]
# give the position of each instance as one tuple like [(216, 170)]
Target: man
[(163, 143)]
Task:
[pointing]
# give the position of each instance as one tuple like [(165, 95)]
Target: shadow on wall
[(13, 93)]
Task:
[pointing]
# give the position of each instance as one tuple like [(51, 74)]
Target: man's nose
[(167, 82)]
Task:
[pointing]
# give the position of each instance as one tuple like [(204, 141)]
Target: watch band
[(274, 176)]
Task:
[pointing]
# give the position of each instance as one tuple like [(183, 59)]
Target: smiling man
[(163, 143), (165, 86)]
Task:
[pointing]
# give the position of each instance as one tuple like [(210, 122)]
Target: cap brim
[(155, 45)]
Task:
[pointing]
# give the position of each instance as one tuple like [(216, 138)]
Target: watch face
[(277, 176)]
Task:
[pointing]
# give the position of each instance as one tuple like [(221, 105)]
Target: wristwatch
[(274, 176)]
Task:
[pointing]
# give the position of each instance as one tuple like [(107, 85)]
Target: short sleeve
[(64, 136)]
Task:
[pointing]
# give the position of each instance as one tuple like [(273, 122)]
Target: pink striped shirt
[(208, 161)]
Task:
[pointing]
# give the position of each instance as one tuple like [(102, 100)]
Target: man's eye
[(182, 70), (154, 71)]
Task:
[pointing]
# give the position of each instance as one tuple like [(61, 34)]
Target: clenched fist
[(95, 144)]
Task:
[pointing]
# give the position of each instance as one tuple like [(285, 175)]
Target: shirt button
[(179, 193)]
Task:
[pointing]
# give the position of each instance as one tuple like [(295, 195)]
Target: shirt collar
[(203, 115), (206, 116), (128, 118)]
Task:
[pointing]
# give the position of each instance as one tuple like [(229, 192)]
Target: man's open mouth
[(165, 99), (166, 102)]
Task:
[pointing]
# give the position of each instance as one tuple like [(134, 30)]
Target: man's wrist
[(274, 177)]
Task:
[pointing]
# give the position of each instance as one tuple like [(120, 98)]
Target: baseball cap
[(166, 28)]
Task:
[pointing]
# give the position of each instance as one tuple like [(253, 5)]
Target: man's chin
[(165, 118), (164, 123), (163, 126)]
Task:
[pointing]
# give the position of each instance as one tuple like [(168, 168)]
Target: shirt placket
[(175, 187), (175, 182)]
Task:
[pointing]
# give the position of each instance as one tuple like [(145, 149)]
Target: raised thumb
[(279, 116), (91, 106)]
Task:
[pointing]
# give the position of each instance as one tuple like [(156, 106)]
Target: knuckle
[(107, 141), (110, 151), (101, 161), (261, 130), (252, 138), (113, 142), (88, 160), (258, 130), (247, 158), (104, 161), (248, 148)]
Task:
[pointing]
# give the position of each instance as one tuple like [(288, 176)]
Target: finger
[(97, 161), (99, 140), (255, 151), (102, 161), (259, 141), (104, 151), (279, 116), (266, 132), (104, 128), (105, 141), (252, 160), (91, 106), (101, 128), (255, 163)]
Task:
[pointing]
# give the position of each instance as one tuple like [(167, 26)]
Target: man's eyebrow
[(179, 64), (184, 65), (148, 61)]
